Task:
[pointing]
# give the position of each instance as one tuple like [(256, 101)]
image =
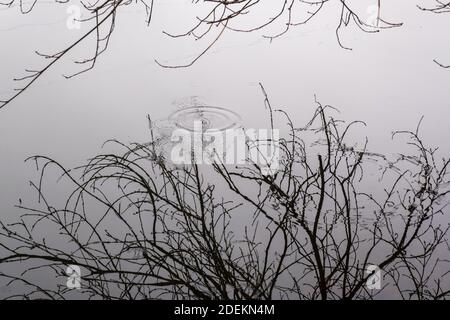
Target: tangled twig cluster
[(221, 16), (140, 228)]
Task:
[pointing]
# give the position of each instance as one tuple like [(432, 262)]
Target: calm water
[(388, 80)]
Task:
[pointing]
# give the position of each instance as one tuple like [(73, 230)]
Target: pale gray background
[(389, 80)]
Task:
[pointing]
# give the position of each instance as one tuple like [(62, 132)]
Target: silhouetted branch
[(223, 15), (140, 227), (440, 7)]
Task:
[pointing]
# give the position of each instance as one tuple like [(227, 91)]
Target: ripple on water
[(212, 118)]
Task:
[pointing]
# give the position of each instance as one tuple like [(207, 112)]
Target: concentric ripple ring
[(212, 118)]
